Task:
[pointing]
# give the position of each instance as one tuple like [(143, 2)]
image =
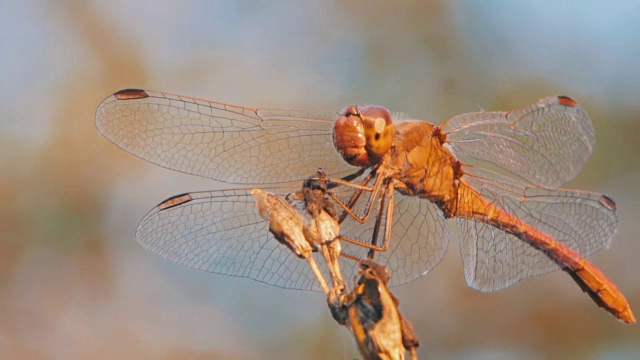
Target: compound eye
[(349, 139), (363, 134)]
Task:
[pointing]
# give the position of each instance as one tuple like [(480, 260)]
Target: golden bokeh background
[(74, 284)]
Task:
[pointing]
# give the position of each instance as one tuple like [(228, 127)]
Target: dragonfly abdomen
[(590, 279)]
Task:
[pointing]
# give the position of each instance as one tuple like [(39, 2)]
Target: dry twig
[(305, 222)]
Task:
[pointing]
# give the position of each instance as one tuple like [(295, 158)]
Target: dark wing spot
[(175, 201), (608, 203), (130, 94), (567, 101)]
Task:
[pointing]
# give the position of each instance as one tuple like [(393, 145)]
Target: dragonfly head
[(363, 134)]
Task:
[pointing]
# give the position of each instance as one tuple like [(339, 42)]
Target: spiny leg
[(386, 198), (348, 208), (385, 212)]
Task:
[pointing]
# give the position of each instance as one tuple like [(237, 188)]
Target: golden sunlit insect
[(512, 218)]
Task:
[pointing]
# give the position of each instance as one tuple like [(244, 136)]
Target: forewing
[(222, 232), (494, 259), (223, 142), (546, 143)]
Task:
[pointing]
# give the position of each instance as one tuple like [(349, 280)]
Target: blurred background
[(74, 284)]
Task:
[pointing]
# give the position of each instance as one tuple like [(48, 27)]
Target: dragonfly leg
[(348, 208), (385, 215), (386, 198), (354, 198), (360, 243)]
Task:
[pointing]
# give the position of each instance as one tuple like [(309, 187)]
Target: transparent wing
[(546, 143), (221, 232), (419, 239), (494, 259), (223, 142)]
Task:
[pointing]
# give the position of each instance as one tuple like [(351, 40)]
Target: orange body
[(423, 167), (592, 281)]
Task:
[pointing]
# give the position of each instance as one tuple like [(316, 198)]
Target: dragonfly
[(495, 174)]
